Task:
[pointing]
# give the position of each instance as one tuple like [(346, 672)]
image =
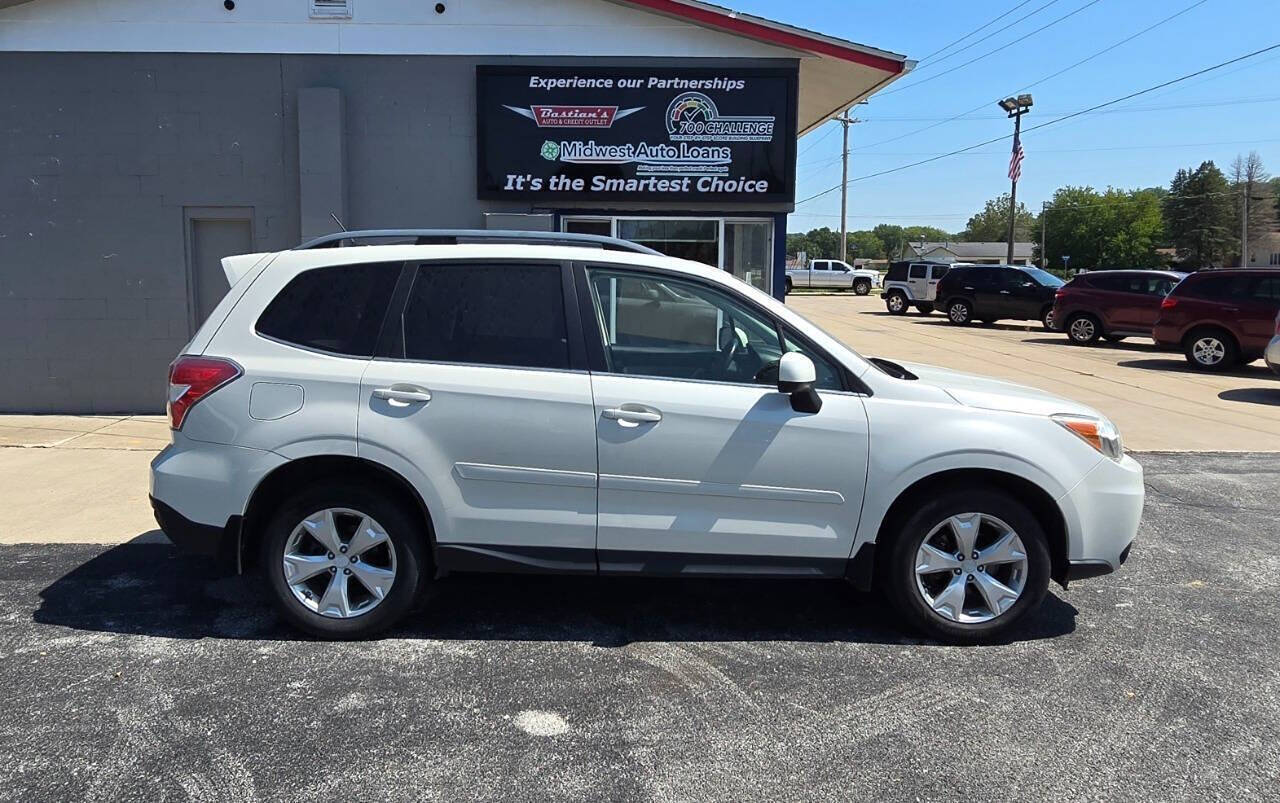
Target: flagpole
[(1016, 107), (1013, 189)]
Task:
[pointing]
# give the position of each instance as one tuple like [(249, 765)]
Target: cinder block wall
[(101, 152)]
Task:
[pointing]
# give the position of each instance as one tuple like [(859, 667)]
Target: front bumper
[(1103, 511), (1272, 354)]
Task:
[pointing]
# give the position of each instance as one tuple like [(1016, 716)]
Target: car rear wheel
[(896, 302), (959, 312), (968, 565), (1083, 329), (862, 287), (343, 560), (789, 286), (1210, 349)]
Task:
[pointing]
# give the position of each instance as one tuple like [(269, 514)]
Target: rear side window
[(337, 309), (1111, 283), (1267, 289), (1219, 287), (897, 272), (820, 265), (509, 315), (918, 271)]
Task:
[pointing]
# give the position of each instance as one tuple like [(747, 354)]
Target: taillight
[(1169, 302), (1059, 294), (193, 378)]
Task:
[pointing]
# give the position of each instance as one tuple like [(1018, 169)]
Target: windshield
[(1044, 277)]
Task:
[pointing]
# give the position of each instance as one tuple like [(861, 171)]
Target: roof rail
[(456, 236)]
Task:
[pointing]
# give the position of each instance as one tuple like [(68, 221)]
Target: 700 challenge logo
[(692, 116)]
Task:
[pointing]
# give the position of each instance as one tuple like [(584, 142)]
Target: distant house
[(1264, 251), (979, 253)]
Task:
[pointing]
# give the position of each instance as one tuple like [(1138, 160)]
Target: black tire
[(790, 286), (1046, 318), (896, 302), (925, 309), (1113, 338), (897, 574), (1083, 329), (1197, 348), (407, 539), (959, 312), (862, 287)]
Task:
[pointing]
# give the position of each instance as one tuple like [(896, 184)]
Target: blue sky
[(1139, 143)]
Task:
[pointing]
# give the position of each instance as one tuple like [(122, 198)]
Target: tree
[(927, 233), (865, 245), (1111, 229), (894, 239), (1199, 214), (992, 223), (1255, 206)]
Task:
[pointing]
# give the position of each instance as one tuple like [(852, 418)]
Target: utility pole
[(845, 122), (1244, 225), (1016, 107), (1044, 240)]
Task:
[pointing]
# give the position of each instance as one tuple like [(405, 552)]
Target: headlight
[(1101, 434)]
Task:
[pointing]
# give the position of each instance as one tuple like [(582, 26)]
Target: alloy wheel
[(896, 302), (958, 313), (1208, 350), (1082, 330), (339, 563), (971, 568), (1047, 320)]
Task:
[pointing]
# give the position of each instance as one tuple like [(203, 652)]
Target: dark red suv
[(1114, 304), (1220, 318)]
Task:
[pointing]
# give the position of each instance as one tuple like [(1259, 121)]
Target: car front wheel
[(959, 312), (1046, 318), (862, 287), (343, 560), (967, 566)]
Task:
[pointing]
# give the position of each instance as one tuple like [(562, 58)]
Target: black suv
[(989, 293)]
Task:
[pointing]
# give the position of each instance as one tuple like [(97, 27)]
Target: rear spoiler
[(237, 266)]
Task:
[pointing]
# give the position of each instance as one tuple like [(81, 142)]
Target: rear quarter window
[(897, 272), (338, 309)]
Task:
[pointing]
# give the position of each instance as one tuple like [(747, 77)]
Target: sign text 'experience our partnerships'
[(633, 134)]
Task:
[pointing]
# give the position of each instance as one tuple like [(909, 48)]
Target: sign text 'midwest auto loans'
[(703, 135)]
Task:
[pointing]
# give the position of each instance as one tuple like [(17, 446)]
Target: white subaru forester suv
[(355, 422)]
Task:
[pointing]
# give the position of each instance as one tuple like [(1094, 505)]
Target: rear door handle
[(1004, 292), (403, 394), (631, 413)]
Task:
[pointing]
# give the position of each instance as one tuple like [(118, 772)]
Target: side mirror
[(796, 376)]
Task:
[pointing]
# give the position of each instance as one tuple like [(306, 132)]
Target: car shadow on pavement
[(1250, 371), (1268, 396), (1124, 345), (150, 589)]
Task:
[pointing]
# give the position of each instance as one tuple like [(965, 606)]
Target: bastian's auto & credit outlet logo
[(561, 116)]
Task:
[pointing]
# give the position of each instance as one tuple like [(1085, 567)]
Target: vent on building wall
[(331, 9)]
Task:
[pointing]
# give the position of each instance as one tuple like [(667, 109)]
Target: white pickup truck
[(832, 273)]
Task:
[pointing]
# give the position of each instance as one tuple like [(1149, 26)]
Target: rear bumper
[(1166, 335), (221, 544), (1272, 354)]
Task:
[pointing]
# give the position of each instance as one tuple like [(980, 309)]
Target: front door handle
[(403, 394), (633, 414), (1004, 292)]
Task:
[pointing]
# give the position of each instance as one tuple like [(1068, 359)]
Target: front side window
[(337, 309), (655, 325), (505, 315)]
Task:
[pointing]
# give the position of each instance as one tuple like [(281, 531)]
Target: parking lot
[(1155, 399), (133, 672)]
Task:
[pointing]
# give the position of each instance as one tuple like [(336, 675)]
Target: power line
[(1050, 122), (1041, 80), (1160, 147), (982, 27), (1002, 49)]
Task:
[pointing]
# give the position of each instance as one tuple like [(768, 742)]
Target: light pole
[(845, 122), (1015, 107)]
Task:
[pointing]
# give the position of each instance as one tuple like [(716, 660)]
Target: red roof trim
[(755, 30)]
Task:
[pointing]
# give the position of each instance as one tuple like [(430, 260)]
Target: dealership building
[(143, 140)]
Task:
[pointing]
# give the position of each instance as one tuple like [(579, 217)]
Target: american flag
[(1015, 160)]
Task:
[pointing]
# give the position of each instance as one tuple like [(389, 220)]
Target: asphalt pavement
[(131, 673)]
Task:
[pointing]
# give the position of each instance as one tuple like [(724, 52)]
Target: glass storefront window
[(742, 247)]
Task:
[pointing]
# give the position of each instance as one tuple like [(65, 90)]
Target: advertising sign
[(636, 134)]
